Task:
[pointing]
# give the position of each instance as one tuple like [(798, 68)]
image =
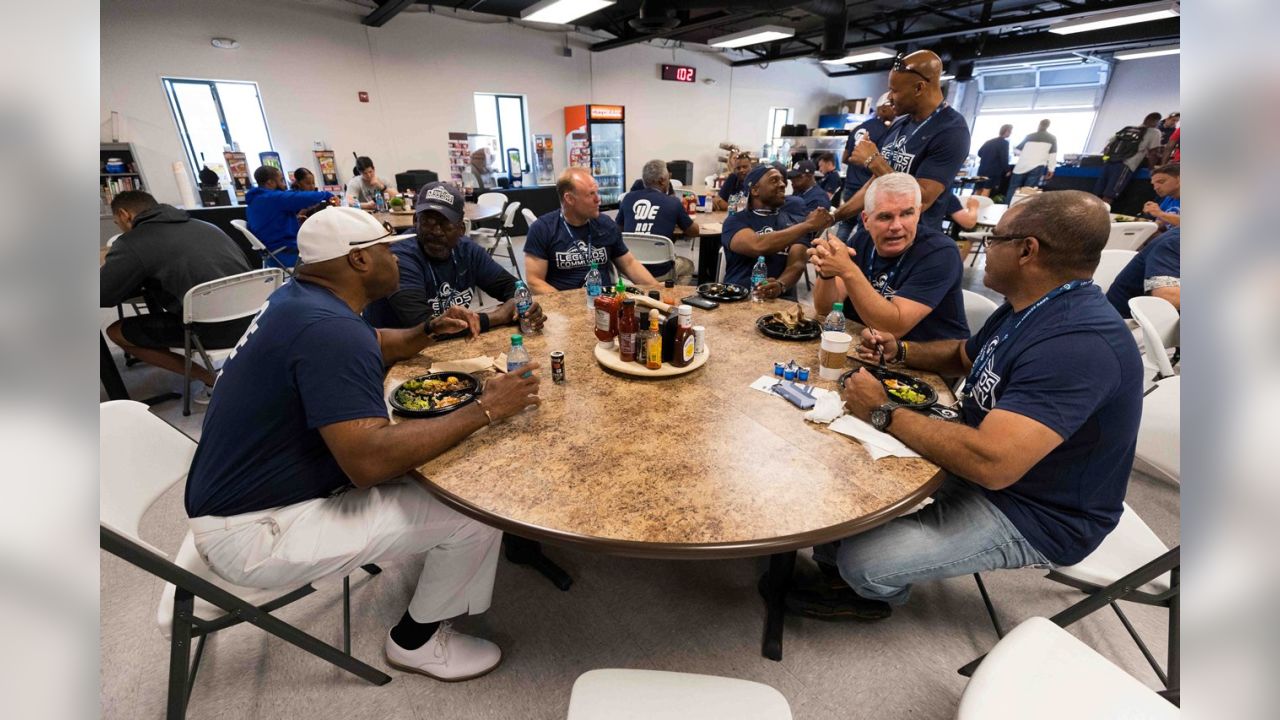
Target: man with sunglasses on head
[(300, 474), (929, 140), (439, 268), (1036, 469), (562, 244)]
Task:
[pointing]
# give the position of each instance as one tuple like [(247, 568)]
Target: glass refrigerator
[(594, 139)]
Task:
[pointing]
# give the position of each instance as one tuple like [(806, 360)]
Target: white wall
[(420, 71), (1137, 88)]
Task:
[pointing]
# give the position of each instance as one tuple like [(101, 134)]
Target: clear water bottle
[(517, 356), (759, 276), (835, 318), (594, 286), (380, 201), (524, 301)]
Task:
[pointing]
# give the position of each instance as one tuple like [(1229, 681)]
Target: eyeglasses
[(995, 239), (385, 226), (900, 65)]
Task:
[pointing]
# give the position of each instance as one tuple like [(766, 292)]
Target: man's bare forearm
[(390, 451), (400, 344), (944, 357), (955, 447)]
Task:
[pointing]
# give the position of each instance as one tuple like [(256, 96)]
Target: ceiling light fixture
[(560, 12), (1149, 53), (1131, 16), (224, 43), (756, 35), (863, 55)]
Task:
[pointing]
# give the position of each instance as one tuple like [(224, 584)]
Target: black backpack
[(1125, 143)]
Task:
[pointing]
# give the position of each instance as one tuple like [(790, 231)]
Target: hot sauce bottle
[(627, 330), (653, 352), (606, 316)]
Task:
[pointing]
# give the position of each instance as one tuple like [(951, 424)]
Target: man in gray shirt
[(1037, 156), (161, 254), (1124, 153)]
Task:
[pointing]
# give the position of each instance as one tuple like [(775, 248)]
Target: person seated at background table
[(1156, 270), (1037, 470), (653, 210), (963, 214), (561, 245), (829, 180), (805, 195), (929, 140), (272, 212), (440, 266), (993, 159), (162, 253), (299, 474), (764, 230), (479, 174), (303, 180), (1167, 182), (365, 186), (894, 275), (733, 185)]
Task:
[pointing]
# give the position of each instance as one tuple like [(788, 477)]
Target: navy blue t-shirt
[(993, 158), (831, 183), (855, 176), (929, 272), (569, 251), (731, 185), (1160, 259), (933, 149), (653, 212), (812, 199), (737, 268), (429, 287), (1074, 367), (307, 361)]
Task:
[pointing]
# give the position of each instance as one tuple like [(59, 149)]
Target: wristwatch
[(882, 416)]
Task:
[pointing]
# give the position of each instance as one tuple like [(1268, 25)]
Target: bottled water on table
[(835, 318), (524, 301), (517, 356), (759, 276), (594, 286)]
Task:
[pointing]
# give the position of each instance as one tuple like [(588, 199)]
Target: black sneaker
[(823, 603), (831, 577)]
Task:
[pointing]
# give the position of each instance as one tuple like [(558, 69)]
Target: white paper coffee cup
[(833, 353)]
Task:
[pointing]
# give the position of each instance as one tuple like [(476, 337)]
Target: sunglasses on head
[(900, 65)]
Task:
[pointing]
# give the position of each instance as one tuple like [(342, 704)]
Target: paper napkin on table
[(878, 444), (829, 406), (765, 384), (469, 365)]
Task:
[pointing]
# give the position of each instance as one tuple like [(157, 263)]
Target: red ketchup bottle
[(627, 327), (606, 316)]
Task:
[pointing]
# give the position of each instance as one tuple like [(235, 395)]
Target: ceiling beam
[(719, 18), (385, 11)]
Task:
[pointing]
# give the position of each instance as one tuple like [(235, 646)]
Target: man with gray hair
[(651, 210), (894, 275)]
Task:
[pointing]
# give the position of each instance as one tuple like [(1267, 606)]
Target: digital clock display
[(679, 73)]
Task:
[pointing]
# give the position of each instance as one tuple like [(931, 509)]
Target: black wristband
[(484, 322), (826, 277)]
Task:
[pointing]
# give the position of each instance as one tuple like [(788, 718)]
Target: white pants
[(297, 544)]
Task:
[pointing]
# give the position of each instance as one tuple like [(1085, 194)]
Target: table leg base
[(774, 585)]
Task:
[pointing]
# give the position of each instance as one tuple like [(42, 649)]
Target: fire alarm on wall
[(364, 96)]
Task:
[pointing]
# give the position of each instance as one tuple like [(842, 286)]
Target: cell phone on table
[(700, 302)]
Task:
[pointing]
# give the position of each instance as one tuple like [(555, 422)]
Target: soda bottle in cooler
[(759, 276)]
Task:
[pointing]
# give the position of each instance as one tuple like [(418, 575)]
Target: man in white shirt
[(1037, 156)]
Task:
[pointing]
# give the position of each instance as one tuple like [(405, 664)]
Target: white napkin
[(877, 443), (765, 384), (471, 365), (829, 406)]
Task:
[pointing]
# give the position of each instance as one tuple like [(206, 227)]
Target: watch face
[(879, 418)]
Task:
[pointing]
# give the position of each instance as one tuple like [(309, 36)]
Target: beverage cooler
[(594, 139)]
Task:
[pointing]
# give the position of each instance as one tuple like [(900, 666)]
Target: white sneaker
[(449, 656), (203, 397)]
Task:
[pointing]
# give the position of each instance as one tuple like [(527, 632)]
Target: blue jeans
[(1030, 178), (1113, 180), (959, 533)]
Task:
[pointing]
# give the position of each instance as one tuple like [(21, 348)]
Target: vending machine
[(595, 139)]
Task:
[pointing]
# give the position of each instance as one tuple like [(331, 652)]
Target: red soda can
[(557, 366)]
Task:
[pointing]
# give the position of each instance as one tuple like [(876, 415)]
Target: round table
[(472, 211), (698, 466)]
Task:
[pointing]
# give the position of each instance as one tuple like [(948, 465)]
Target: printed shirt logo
[(253, 327), (581, 255), (880, 283), (645, 212), (440, 195), (896, 153), (860, 136), (983, 389), (446, 297)]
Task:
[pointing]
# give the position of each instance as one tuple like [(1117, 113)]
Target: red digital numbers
[(679, 73)]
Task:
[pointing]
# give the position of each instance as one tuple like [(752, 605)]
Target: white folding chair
[(720, 266), (221, 300), (1110, 265), (989, 214), (529, 217), (1160, 322), (652, 250), (1041, 671), (492, 199), (258, 247), (489, 239), (1160, 431), (615, 694), (676, 184), (977, 308), (1129, 235), (141, 457)]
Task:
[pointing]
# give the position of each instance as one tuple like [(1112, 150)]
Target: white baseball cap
[(884, 100), (336, 231)]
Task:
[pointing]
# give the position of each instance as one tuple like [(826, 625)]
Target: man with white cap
[(299, 474)]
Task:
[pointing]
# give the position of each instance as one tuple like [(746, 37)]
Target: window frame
[(175, 109), (524, 126), (774, 130)]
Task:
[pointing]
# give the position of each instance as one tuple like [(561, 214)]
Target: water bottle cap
[(517, 339), (760, 259), (595, 266), (837, 306)]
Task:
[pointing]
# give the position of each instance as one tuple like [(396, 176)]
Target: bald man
[(563, 244), (929, 139)]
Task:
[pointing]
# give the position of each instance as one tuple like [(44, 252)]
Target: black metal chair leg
[(1174, 665), (1146, 653), (180, 654), (522, 551), (346, 614), (195, 668), (781, 566), (991, 609)]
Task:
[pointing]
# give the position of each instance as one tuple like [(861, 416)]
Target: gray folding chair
[(652, 250), (257, 245), (141, 457)]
